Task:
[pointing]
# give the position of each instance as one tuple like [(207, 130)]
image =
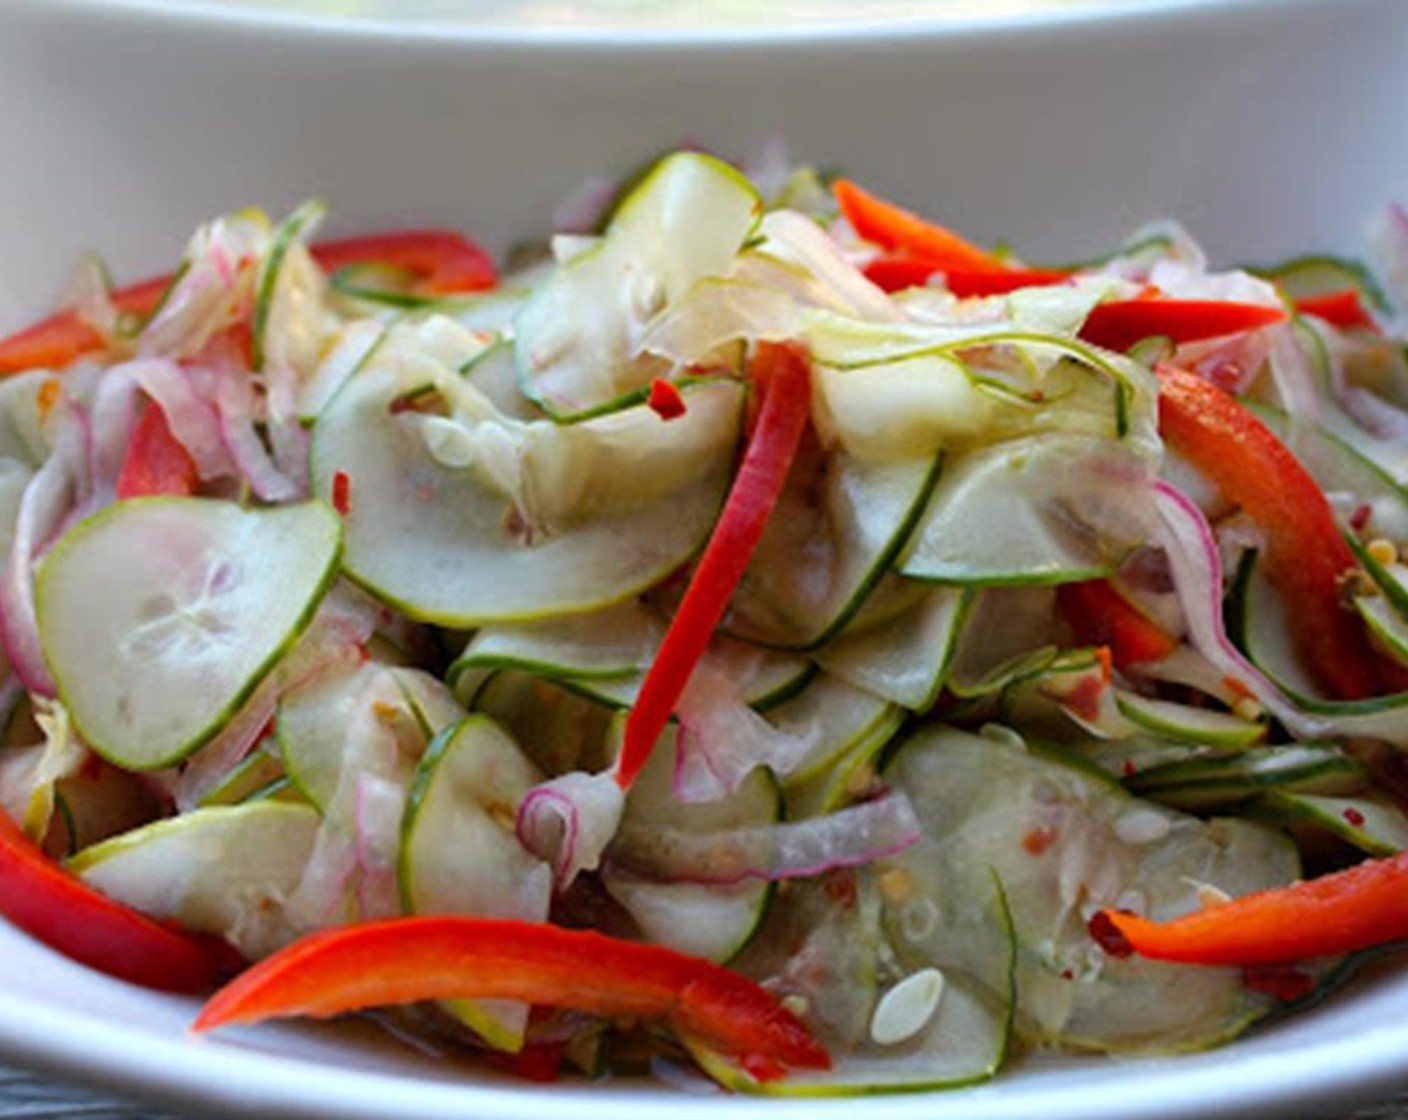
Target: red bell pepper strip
[(896, 271), (444, 262), (784, 373), (1306, 557), (1353, 909), (156, 462), (894, 228), (71, 917), (1119, 324), (1101, 616), (1343, 309), (66, 336), (406, 960)]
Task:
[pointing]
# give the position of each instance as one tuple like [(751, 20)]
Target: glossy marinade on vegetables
[(764, 633)]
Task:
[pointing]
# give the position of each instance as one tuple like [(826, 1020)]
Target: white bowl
[(1268, 126)]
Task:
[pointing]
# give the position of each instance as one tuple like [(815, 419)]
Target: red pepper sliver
[(406, 960), (65, 336), (1344, 309), (665, 400), (445, 261), (1354, 909), (342, 493), (896, 271), (1306, 557), (1119, 324), (156, 462), (71, 917), (895, 228), (1100, 616), (784, 372)]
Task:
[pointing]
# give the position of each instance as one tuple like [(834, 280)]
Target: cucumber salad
[(759, 634)]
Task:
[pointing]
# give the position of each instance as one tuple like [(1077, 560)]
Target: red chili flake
[(1353, 816), (1038, 839), (1128, 768), (1360, 517), (761, 1068), (1108, 936), (1067, 974), (1084, 699), (1278, 980), (342, 493), (665, 400)]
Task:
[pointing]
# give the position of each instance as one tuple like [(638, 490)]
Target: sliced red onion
[(235, 404), (1196, 565), (722, 740), (186, 398), (113, 413), (569, 820), (50, 500), (213, 290), (859, 835), (380, 805)]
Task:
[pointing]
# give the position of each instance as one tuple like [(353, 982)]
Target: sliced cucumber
[(836, 718), (558, 729), (1339, 467), (223, 870), (905, 660), (1259, 619), (617, 642), (351, 347), (1064, 843), (576, 335), (1188, 724), (850, 536), (869, 989), (159, 617), (288, 296), (1319, 275), (1374, 825), (460, 853), (708, 920), (1042, 509), (1220, 779), (252, 778), (540, 520)]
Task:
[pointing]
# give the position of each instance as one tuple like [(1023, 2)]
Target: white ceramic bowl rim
[(864, 23)]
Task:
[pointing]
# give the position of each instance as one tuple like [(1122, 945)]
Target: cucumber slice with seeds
[(1064, 843), (159, 617)]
